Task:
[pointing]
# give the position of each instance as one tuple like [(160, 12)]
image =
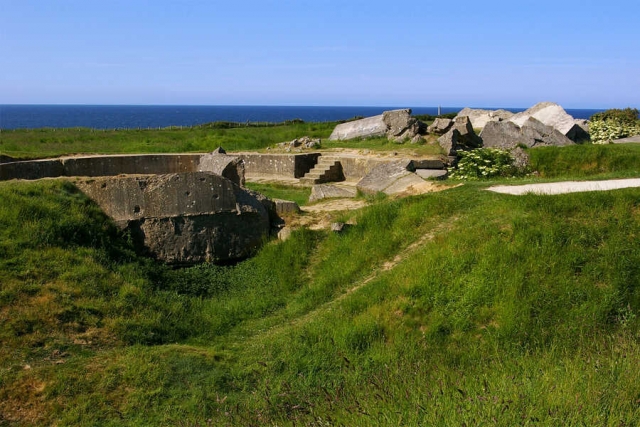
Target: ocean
[(158, 116)]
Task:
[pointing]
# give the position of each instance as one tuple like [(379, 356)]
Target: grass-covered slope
[(452, 308)]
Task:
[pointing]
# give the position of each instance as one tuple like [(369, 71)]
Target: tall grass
[(587, 160), (512, 311)]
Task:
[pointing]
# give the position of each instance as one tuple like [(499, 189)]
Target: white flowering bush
[(605, 131), (613, 124), (484, 163)]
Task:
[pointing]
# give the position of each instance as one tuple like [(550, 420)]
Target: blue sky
[(581, 54)]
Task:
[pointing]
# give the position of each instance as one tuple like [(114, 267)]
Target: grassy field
[(504, 312), (38, 143), (463, 307)]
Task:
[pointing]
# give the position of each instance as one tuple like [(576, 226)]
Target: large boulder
[(552, 114), (533, 133), (370, 127), (479, 117), (397, 125), (184, 218), (440, 126), (460, 136), (400, 125)]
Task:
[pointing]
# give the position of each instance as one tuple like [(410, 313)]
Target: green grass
[(430, 148), (300, 195), (587, 161), (38, 143), (47, 142), (451, 308), (511, 310)]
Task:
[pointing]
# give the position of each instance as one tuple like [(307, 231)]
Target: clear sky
[(581, 54)]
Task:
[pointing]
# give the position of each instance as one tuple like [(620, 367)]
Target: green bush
[(612, 124), (628, 115), (484, 163)]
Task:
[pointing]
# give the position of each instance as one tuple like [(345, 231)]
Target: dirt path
[(384, 267), (566, 187)]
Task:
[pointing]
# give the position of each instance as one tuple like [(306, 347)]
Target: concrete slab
[(431, 173), (364, 128), (330, 191), (631, 139), (404, 184), (566, 187)]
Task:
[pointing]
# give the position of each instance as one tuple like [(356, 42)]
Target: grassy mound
[(459, 307)]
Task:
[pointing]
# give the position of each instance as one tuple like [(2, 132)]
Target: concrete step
[(324, 171)]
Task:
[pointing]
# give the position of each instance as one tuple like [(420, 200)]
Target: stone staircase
[(328, 169)]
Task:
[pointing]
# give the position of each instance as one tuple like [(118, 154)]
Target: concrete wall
[(355, 168), (101, 166), (31, 169), (131, 164), (168, 195), (286, 165), (183, 218)]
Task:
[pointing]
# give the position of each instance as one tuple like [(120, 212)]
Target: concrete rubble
[(299, 144), (479, 117), (330, 191), (184, 218), (397, 125), (390, 178), (553, 115), (440, 126), (460, 136), (533, 133)]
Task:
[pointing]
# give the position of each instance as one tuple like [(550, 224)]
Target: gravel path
[(566, 187)]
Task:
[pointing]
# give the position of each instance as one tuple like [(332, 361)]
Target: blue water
[(154, 116)]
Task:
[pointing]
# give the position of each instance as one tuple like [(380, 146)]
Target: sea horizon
[(141, 116)]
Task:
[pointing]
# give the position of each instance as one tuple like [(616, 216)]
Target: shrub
[(484, 163), (628, 115), (612, 124)]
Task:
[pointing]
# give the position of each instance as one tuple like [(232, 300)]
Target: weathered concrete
[(460, 136), (184, 218), (397, 125), (552, 114), (130, 164), (231, 167), (566, 187), (286, 207), (32, 169), (533, 133), (401, 126), (440, 126), (328, 169), (286, 165), (404, 184), (369, 127), (631, 139), (299, 144), (432, 173), (385, 175), (428, 164), (93, 166), (329, 191), (479, 118)]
